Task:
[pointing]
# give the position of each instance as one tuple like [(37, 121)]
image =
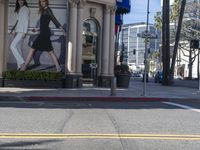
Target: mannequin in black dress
[(43, 41)]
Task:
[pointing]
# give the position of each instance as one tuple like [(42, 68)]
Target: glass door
[(89, 58)]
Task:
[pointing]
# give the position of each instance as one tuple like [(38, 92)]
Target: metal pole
[(113, 86), (198, 52), (122, 50), (198, 69), (145, 54)]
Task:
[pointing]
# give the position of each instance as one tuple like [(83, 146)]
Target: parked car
[(179, 77), (158, 77), (138, 75)]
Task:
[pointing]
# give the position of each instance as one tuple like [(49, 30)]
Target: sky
[(139, 11)]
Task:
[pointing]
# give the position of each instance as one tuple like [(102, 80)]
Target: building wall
[(79, 10), (60, 12), (182, 62), (98, 15), (3, 35)]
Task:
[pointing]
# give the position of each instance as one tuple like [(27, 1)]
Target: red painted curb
[(48, 98)]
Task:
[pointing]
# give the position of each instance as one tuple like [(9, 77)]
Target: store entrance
[(89, 58)]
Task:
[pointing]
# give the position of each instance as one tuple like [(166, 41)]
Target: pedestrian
[(43, 42), (22, 11)]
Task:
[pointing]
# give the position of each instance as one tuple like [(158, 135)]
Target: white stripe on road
[(182, 106)]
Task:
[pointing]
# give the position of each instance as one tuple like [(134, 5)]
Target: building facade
[(88, 50), (186, 64), (134, 46)]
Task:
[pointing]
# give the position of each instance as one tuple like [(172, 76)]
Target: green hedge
[(31, 75)]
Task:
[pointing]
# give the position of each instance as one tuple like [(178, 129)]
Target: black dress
[(43, 42)]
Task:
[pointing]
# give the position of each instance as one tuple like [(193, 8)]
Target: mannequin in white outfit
[(23, 12)]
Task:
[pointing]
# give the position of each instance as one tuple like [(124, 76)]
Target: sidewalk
[(134, 92)]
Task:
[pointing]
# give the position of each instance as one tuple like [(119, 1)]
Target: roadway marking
[(99, 136), (182, 106)]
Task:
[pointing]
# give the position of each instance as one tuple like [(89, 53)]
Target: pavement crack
[(115, 124), (68, 116)]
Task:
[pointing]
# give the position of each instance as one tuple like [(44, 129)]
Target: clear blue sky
[(139, 11)]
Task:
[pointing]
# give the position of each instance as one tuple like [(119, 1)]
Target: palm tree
[(177, 38), (165, 43)]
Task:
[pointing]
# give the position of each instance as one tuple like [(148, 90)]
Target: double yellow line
[(99, 136)]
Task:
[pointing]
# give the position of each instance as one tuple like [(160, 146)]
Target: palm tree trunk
[(165, 43)]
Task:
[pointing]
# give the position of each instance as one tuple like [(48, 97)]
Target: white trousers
[(16, 49)]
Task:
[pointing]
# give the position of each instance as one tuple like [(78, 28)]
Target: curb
[(103, 99)]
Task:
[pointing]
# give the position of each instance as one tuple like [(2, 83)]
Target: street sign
[(148, 35), (93, 65)]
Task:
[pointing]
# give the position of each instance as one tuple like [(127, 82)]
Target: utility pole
[(165, 43)]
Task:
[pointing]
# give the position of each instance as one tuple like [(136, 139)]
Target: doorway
[(90, 47)]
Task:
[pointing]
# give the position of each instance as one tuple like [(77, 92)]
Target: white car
[(178, 77)]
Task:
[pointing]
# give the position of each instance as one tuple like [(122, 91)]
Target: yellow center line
[(99, 136)]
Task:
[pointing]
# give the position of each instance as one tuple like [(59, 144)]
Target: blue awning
[(123, 6)]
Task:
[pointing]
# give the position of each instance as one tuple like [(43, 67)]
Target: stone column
[(105, 77), (72, 78), (71, 64), (79, 36), (3, 35), (106, 41), (112, 41)]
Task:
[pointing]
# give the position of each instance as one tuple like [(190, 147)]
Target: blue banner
[(118, 19), (123, 6)]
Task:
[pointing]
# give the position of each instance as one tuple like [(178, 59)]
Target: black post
[(198, 69), (122, 50)]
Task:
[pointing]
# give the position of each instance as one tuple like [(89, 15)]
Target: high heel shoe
[(23, 67), (19, 68)]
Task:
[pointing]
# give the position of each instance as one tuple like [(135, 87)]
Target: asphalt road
[(172, 125)]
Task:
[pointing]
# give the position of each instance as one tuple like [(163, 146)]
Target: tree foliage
[(174, 13), (190, 29), (191, 25)]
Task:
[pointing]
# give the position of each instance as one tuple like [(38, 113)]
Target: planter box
[(123, 81), (33, 83)]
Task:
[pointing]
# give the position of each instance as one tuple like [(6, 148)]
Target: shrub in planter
[(31, 75), (123, 75)]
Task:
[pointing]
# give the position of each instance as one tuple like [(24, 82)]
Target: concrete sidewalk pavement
[(135, 91)]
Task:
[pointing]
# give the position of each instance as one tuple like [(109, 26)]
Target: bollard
[(113, 87)]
